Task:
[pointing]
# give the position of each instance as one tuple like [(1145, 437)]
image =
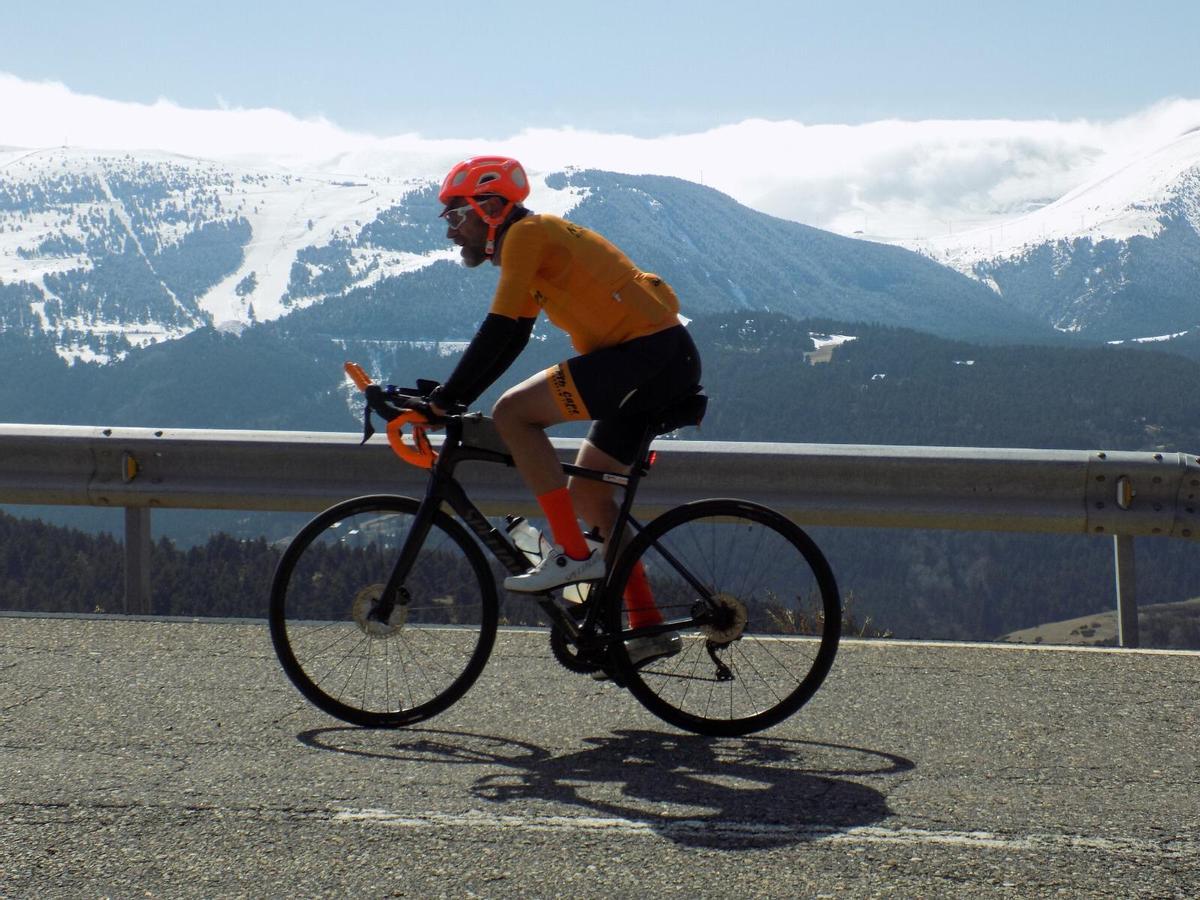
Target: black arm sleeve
[(496, 344)]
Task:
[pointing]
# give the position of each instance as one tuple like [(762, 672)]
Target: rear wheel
[(755, 607), (348, 662)]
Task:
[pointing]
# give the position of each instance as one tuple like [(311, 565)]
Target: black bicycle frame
[(444, 488)]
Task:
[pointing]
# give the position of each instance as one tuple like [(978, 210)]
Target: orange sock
[(639, 599), (560, 514)]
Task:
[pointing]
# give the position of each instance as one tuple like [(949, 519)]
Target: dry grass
[(807, 616)]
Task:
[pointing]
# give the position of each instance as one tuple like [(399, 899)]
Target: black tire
[(367, 672), (775, 632)]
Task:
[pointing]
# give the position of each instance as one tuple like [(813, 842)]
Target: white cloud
[(42, 114), (898, 179)]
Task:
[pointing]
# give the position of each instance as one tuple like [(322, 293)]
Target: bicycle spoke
[(346, 635), (353, 669), (749, 560), (387, 673), (339, 648)]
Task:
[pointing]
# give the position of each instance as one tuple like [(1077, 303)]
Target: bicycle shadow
[(697, 791)]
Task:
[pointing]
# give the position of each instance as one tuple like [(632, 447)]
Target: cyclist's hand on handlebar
[(441, 406), (434, 410), (390, 402), (432, 414)]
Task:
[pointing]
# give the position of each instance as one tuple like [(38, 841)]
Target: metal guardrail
[(1119, 494)]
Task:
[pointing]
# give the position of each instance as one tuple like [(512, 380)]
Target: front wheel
[(382, 673), (753, 610)]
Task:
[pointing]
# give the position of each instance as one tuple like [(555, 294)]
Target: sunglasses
[(455, 217)]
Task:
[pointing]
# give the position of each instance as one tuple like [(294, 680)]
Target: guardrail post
[(137, 560), (1127, 607)]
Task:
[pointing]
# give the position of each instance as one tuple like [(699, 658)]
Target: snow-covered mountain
[(103, 253), (106, 252), (1117, 258)]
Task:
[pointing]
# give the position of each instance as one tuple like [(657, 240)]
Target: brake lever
[(368, 425)]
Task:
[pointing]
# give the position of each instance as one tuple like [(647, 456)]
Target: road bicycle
[(384, 609)]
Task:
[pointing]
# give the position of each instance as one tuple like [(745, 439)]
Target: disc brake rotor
[(366, 601), (727, 619)]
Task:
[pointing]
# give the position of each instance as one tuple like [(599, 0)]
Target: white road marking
[(1011, 646), (864, 834)]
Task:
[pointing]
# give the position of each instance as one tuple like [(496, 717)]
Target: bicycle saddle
[(688, 410)]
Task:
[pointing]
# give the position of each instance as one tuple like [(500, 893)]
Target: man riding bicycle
[(635, 356)]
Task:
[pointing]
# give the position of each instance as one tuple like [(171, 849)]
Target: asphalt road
[(174, 759)]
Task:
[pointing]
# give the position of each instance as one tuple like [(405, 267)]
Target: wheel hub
[(366, 601), (727, 617)]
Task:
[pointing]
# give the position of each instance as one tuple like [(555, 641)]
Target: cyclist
[(635, 356)]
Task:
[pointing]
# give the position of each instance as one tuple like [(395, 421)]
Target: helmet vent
[(481, 175)]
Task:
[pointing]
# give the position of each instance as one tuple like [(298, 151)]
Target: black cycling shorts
[(620, 387)]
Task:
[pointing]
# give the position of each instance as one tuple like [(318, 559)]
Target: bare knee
[(527, 405), (511, 413), (504, 412)]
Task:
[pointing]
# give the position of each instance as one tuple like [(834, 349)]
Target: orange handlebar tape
[(360, 378), (420, 453)]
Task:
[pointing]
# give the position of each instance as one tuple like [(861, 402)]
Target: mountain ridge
[(1117, 258), (105, 252)]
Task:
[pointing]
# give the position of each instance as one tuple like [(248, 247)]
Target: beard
[(473, 256)]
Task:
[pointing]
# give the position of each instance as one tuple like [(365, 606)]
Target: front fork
[(394, 592)]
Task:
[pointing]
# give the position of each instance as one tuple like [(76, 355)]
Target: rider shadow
[(696, 791)]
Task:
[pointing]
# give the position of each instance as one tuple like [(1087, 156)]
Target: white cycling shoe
[(556, 570), (645, 650)]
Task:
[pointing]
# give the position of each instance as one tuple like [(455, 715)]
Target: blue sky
[(643, 68)]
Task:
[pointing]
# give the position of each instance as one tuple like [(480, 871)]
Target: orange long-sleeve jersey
[(584, 284)]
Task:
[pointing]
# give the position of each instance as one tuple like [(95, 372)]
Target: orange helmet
[(485, 176)]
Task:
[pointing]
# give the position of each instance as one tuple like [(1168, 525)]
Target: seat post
[(643, 457), (640, 467)]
